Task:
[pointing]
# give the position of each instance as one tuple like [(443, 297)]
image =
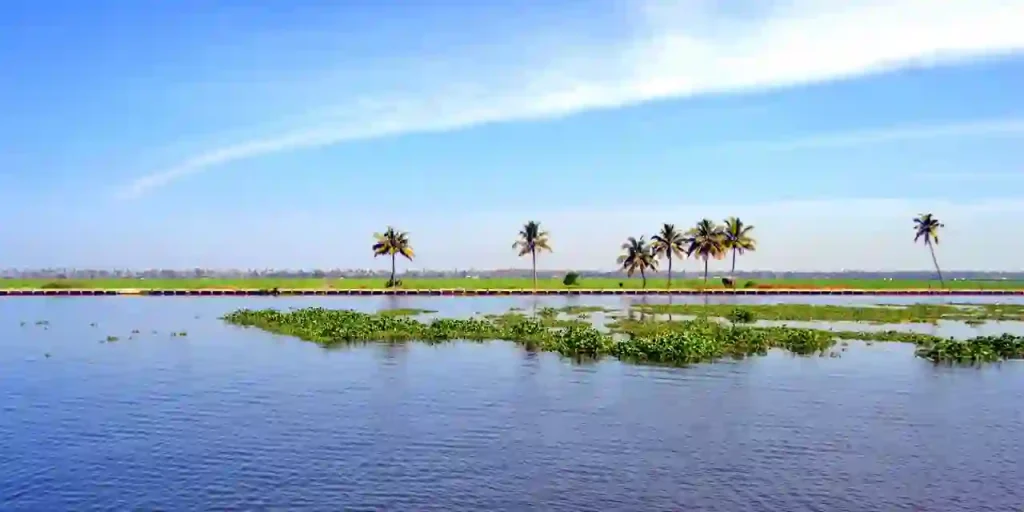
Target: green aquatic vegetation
[(687, 342), (548, 320), (701, 340), (547, 312), (741, 316), (889, 335), (914, 313), (660, 342), (42, 322), (111, 339), (981, 349), (571, 310), (405, 311)]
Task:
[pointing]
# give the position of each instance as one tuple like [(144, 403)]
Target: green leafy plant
[(571, 279)]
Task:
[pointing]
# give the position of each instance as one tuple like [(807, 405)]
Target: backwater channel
[(239, 419)]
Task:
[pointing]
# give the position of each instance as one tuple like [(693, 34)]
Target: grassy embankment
[(659, 342), (489, 283)]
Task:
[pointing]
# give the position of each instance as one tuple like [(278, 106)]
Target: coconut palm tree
[(926, 227), (532, 239), (737, 239), (638, 257), (706, 240), (667, 243), (392, 243)]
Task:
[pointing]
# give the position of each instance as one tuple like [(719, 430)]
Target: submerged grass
[(915, 313)]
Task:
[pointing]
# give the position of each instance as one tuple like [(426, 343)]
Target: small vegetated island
[(716, 333)]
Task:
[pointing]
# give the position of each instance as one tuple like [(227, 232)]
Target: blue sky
[(283, 134)]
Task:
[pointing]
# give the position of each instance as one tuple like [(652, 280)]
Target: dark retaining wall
[(470, 292)]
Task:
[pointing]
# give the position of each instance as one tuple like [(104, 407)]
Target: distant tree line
[(705, 241)]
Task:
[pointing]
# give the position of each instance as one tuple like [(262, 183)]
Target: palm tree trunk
[(669, 271), (733, 271), (936, 263), (705, 271), (533, 253), (643, 276), (392, 270)]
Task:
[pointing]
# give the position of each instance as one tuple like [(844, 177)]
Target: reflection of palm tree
[(638, 257), (926, 227), (706, 240), (532, 239), (737, 239), (392, 243), (668, 243)]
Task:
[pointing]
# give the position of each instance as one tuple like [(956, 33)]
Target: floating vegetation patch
[(404, 312), (982, 349), (685, 343), (741, 316), (914, 313), (891, 336), (660, 342), (578, 310), (545, 318)]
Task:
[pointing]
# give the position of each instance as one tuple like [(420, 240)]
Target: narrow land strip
[(214, 292), (585, 283)]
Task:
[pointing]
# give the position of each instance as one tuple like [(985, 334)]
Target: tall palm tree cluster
[(705, 241)]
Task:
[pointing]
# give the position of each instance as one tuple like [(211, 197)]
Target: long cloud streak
[(804, 42)]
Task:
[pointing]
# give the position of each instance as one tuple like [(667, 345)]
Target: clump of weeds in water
[(405, 311), (685, 343), (982, 349), (741, 316), (914, 313), (112, 339), (659, 342)]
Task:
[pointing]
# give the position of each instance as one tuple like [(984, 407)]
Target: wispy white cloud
[(679, 48)]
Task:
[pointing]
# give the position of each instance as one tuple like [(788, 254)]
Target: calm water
[(228, 418)]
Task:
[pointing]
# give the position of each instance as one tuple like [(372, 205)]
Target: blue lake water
[(236, 419)]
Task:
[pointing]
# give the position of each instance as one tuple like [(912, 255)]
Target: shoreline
[(485, 292)]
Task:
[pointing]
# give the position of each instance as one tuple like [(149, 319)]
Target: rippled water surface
[(229, 418)]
